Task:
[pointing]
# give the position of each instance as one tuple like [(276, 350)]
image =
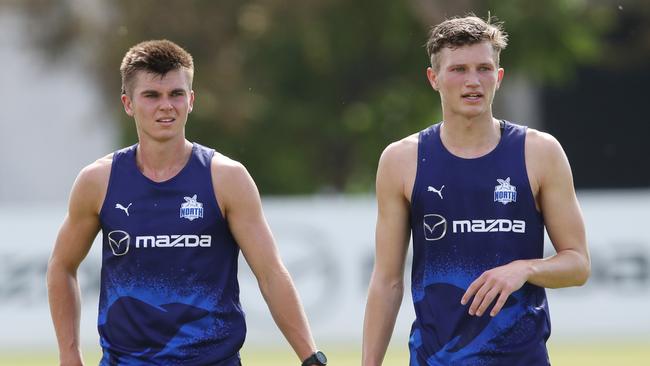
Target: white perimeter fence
[(327, 242)]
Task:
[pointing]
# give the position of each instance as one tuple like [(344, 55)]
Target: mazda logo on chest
[(435, 227), (119, 241)]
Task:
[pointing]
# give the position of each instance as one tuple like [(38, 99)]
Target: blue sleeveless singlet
[(169, 293), (469, 216)]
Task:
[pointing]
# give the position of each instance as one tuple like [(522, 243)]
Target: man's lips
[(166, 120), (473, 96)]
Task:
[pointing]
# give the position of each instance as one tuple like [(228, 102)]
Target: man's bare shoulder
[(90, 187), (97, 173), (225, 168), (401, 151), (233, 185), (545, 159), (230, 176), (542, 145), (397, 167)]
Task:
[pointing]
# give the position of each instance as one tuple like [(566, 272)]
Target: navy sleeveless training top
[(469, 216), (169, 292)]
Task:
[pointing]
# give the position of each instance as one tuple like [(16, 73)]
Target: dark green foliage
[(308, 93)]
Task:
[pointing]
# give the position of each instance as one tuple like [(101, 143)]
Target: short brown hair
[(457, 32), (157, 57)]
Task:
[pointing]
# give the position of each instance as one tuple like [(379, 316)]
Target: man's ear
[(128, 104), (432, 76), (191, 101), (500, 74)]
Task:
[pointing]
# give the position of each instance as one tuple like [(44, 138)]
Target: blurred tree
[(307, 94)]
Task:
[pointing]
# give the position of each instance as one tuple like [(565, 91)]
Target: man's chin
[(163, 136), (471, 113)]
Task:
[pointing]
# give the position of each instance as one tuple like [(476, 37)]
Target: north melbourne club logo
[(191, 209), (505, 192)]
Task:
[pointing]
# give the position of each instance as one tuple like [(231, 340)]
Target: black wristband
[(317, 358)]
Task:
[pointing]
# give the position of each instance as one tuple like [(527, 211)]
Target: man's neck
[(470, 138), (161, 161)]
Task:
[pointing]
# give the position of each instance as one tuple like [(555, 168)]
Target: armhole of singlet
[(108, 186), (529, 188), (212, 153), (415, 191)]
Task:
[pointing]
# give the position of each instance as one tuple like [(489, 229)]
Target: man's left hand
[(497, 283)]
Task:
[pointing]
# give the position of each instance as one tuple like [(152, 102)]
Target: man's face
[(467, 80), (159, 105)]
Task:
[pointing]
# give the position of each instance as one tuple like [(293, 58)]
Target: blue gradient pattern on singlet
[(169, 292), (473, 224)]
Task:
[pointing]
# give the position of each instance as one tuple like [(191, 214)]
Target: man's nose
[(471, 79), (166, 104)]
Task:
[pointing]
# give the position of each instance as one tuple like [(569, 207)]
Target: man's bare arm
[(73, 242), (392, 237), (243, 209)]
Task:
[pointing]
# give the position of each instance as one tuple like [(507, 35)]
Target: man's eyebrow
[(149, 91), (465, 64)]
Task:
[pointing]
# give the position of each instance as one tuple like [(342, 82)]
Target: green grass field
[(636, 353)]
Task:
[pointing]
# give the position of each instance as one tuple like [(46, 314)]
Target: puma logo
[(438, 191), (125, 209)]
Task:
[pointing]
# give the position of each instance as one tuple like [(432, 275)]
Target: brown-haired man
[(475, 193), (174, 215)]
